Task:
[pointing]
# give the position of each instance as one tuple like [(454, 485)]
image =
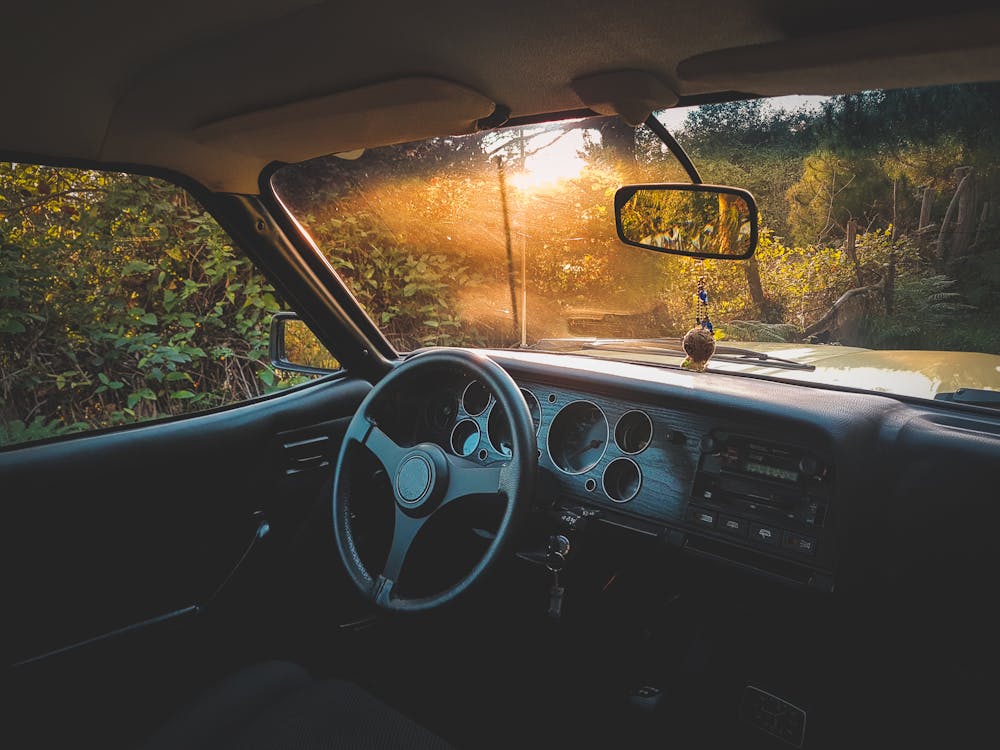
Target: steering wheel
[(426, 478)]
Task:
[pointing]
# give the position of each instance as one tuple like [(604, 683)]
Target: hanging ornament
[(699, 342)]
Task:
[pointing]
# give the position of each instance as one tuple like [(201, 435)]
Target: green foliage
[(833, 190), (755, 330), (410, 294), (925, 309), (16, 431), (120, 300)]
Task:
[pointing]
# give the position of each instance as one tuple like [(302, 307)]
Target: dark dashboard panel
[(830, 477), (667, 467), (764, 503), (757, 491)]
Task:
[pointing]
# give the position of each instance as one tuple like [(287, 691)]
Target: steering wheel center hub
[(421, 478), (414, 479)]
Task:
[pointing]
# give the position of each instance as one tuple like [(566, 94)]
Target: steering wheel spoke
[(466, 478), (365, 432), (403, 534)]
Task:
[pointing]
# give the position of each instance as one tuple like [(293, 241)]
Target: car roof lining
[(173, 86)]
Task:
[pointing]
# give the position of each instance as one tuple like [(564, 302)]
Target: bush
[(120, 300)]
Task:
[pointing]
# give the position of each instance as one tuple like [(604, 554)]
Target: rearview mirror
[(700, 221)]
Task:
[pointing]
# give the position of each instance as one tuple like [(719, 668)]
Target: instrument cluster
[(576, 435)]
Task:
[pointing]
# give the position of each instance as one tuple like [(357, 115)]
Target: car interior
[(649, 558)]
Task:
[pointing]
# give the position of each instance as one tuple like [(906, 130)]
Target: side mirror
[(700, 221), (294, 348)]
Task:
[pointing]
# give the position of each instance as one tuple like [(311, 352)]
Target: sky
[(561, 160), (674, 118)]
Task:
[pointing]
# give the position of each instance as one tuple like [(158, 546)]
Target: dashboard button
[(815, 513), (735, 526), (804, 545), (764, 534), (701, 517)]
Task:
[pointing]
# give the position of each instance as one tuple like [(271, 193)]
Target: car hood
[(922, 374)]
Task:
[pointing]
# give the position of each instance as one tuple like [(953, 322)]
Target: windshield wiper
[(723, 353), (972, 396)]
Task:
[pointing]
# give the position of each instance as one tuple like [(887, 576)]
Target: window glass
[(121, 300), (878, 266)]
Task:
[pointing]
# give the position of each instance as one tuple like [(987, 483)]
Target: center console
[(765, 496)]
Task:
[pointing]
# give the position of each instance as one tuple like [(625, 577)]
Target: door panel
[(107, 530)]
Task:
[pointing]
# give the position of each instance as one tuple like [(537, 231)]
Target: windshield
[(878, 264)]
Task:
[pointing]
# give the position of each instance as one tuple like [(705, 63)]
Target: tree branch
[(943, 234), (825, 321), (51, 196)]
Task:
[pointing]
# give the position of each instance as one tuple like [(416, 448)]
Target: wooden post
[(945, 240), (889, 288), (850, 247), (925, 209), (984, 217), (510, 250), (966, 211)]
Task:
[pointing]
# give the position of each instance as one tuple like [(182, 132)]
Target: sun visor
[(632, 94), (961, 48), (396, 111)]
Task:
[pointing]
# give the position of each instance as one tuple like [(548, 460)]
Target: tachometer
[(498, 427), (578, 437)]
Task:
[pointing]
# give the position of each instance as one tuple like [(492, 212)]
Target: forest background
[(121, 299)]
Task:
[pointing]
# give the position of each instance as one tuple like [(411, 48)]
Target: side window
[(121, 300)]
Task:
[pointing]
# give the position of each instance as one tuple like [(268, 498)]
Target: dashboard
[(738, 486), (815, 487)]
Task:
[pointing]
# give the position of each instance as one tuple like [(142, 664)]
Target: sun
[(551, 164)]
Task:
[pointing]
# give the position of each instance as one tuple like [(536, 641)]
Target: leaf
[(182, 394), (134, 267), (149, 319), (11, 326), (172, 376)]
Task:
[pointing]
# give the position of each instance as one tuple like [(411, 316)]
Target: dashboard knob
[(560, 544), (676, 437), (555, 561), (709, 444), (809, 466)]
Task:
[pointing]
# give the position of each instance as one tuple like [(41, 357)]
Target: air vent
[(306, 455)]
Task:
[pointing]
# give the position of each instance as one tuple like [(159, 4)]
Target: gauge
[(634, 431), (476, 398), (622, 480), (498, 426), (578, 437), (465, 437), (441, 409)]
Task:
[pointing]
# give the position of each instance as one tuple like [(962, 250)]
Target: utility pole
[(524, 290)]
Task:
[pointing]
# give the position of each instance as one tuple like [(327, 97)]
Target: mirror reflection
[(703, 222), (303, 348)]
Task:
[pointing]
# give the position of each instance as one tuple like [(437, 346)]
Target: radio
[(768, 493)]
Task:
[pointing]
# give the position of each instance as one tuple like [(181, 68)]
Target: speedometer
[(578, 437), (498, 426)]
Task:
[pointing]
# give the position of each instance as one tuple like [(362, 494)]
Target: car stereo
[(773, 496)]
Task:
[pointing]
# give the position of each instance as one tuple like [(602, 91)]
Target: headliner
[(217, 90)]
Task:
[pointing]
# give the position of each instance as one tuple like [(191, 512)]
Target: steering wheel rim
[(425, 478)]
